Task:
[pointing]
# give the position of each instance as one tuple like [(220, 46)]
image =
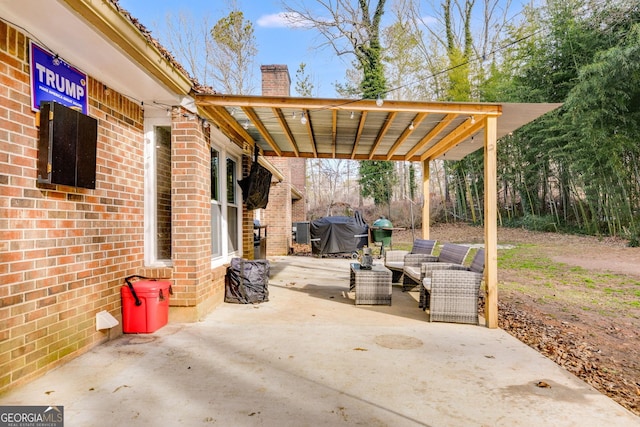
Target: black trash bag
[(247, 281)]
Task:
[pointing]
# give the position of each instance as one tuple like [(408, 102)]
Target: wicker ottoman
[(371, 286)]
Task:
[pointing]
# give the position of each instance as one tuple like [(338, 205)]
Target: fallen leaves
[(566, 346)]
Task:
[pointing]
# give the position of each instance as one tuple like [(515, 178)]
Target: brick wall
[(63, 251)]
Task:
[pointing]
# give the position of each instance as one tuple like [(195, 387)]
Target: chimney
[(275, 80)]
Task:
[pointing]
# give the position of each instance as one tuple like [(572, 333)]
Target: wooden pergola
[(359, 129)]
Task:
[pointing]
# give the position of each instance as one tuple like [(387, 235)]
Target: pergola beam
[(432, 134), (348, 105), (356, 141), (466, 129), (491, 222), (263, 131), (287, 131), (405, 134), (228, 125), (426, 192), (309, 127), (383, 131)]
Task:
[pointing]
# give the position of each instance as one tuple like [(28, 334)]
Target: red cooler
[(147, 310)]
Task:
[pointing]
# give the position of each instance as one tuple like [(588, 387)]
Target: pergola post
[(426, 220), (491, 222)]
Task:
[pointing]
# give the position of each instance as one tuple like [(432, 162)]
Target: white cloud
[(428, 20), (282, 20)]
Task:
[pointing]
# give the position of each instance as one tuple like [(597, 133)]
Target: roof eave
[(104, 16)]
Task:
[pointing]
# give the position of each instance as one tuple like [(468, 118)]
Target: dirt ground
[(575, 299)]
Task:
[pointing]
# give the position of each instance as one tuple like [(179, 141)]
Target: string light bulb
[(379, 101), (411, 125), (473, 120), (245, 125), (303, 119), (351, 117)]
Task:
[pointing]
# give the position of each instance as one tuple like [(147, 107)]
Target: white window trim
[(237, 205), (150, 199), (227, 149)]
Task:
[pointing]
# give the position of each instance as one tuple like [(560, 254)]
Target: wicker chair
[(421, 251), (414, 272), (451, 291)]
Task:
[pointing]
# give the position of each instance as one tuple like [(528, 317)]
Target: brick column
[(190, 207), (299, 182), (278, 213)]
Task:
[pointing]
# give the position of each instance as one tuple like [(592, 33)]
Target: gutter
[(119, 29)]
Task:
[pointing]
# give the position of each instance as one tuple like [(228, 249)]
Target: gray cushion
[(453, 253), (394, 265), (413, 272), (477, 265), (423, 246)]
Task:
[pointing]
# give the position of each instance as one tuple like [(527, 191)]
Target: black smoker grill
[(339, 235)]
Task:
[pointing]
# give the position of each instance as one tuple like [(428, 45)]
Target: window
[(225, 208), (216, 206), (157, 192), (232, 206), (163, 192)]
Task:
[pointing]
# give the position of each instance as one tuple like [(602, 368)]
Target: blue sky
[(277, 44)]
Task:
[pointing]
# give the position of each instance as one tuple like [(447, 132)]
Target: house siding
[(64, 251)]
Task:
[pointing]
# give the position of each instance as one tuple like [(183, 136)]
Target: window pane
[(232, 209), (231, 181), (232, 223), (215, 179), (216, 215), (163, 192), (216, 224)]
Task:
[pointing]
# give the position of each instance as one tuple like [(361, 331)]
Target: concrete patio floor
[(310, 357)]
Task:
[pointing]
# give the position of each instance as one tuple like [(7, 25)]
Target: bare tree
[(458, 32), (188, 40), (219, 55)]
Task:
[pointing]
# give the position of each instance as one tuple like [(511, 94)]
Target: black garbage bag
[(247, 281)]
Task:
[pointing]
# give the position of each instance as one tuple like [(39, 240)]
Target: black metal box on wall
[(67, 146)]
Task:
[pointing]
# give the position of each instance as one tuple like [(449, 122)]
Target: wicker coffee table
[(371, 286)]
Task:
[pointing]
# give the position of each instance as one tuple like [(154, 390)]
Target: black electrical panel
[(67, 146)]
